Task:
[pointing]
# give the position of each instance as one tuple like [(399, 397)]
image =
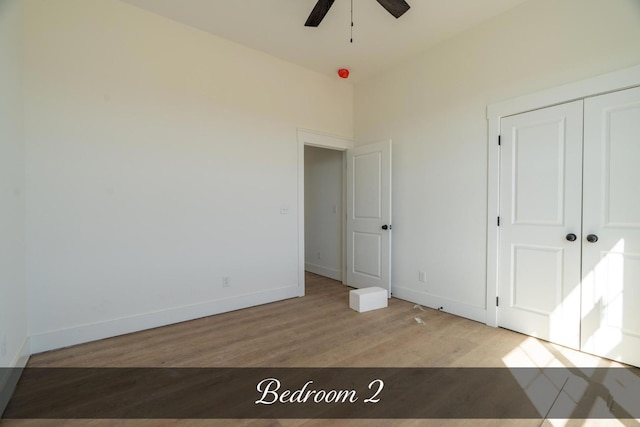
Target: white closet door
[(540, 214), (611, 265), (369, 216)]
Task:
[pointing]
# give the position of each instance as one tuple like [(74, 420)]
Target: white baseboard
[(10, 375), (81, 334), (432, 301), (323, 271)]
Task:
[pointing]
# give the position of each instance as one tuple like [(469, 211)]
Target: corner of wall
[(9, 376)]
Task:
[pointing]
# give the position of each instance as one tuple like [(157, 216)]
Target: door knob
[(571, 237), (386, 227), (592, 238)]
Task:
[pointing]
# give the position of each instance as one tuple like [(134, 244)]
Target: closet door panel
[(540, 208), (611, 227)]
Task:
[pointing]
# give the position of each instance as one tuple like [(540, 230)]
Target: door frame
[(610, 82), (315, 139)]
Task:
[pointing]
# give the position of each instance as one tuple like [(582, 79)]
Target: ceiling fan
[(395, 7)]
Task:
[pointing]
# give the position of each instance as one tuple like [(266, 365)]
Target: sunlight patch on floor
[(530, 354)]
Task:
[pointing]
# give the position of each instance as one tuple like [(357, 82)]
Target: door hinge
[(498, 221), (497, 301), (499, 140)]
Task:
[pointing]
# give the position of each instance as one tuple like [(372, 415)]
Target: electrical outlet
[(226, 281), (318, 255), (422, 276), (3, 345)]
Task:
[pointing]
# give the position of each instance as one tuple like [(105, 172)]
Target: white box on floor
[(367, 299)]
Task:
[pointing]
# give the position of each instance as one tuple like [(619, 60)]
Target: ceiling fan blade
[(395, 7), (319, 11)]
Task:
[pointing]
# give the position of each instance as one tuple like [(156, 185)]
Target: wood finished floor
[(318, 330)]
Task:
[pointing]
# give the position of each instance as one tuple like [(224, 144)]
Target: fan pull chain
[(351, 21)]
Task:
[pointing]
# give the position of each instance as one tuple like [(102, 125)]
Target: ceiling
[(379, 40)]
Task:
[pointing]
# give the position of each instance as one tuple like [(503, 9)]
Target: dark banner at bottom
[(365, 393)]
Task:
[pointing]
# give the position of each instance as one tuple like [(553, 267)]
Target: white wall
[(14, 344), (323, 211), (13, 306), (158, 160), (434, 109)]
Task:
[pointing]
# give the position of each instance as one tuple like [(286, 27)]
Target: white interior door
[(369, 216), (540, 218), (611, 264)]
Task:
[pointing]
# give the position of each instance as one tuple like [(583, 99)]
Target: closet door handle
[(571, 237), (592, 238)]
